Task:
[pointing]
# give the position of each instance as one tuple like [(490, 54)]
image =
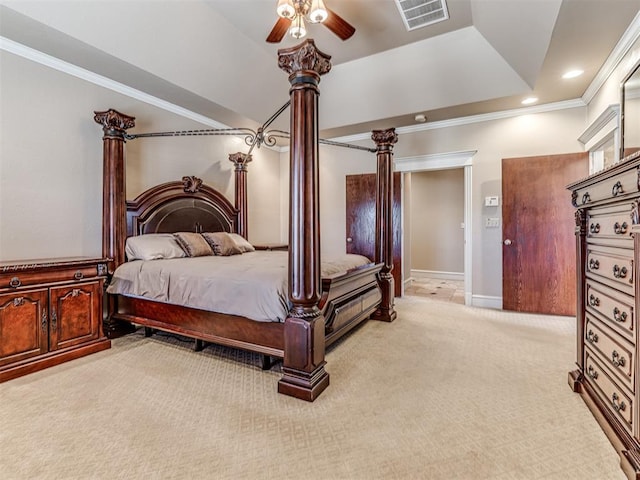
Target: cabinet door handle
[(594, 264), (44, 320), (620, 229), (619, 316), (594, 228), (592, 337), (593, 300), (619, 272), (616, 404)]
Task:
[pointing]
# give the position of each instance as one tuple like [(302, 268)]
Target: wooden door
[(361, 221), (538, 248)]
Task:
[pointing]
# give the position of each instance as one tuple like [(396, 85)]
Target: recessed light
[(420, 118), (529, 100), (573, 74)]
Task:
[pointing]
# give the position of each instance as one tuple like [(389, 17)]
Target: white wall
[(51, 162)]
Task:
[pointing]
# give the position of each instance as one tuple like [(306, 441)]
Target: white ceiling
[(210, 56)]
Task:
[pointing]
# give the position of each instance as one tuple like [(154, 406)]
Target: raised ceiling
[(210, 56)]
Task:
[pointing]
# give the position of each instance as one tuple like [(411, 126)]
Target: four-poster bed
[(321, 309)]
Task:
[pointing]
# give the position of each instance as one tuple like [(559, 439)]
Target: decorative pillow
[(152, 246), (222, 243), (193, 244), (242, 243)]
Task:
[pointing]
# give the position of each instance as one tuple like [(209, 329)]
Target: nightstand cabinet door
[(24, 330), (74, 314)]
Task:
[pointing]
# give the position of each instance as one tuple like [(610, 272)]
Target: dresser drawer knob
[(78, 275), (15, 282), (617, 405), (619, 316), (594, 228), (616, 359), (617, 189), (586, 198), (593, 300), (619, 272), (594, 264), (592, 337), (620, 229), (591, 373)]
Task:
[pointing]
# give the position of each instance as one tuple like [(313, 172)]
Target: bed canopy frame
[(303, 332)]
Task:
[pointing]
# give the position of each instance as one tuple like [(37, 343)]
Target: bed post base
[(303, 367), (386, 311)]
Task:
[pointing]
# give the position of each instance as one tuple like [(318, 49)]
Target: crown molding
[(615, 57), (78, 72), (484, 117), (610, 113)]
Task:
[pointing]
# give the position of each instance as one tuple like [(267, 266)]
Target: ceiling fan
[(293, 12)]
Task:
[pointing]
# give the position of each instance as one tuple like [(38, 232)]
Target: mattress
[(253, 285)]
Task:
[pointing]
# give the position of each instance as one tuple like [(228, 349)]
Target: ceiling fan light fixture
[(298, 30), (318, 13), (285, 9)]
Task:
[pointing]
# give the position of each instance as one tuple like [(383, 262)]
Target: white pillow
[(153, 246), (242, 243)]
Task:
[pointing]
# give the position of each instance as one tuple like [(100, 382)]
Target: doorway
[(446, 161)]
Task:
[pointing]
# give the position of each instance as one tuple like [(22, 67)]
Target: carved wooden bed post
[(304, 337), (385, 139), (114, 211), (240, 160)]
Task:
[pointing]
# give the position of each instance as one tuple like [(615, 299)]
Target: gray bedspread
[(252, 285)]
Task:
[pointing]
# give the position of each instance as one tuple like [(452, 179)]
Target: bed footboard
[(348, 299)]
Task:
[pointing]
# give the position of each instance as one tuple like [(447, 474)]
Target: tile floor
[(445, 290)]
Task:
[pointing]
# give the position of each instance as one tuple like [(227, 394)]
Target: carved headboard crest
[(191, 183)]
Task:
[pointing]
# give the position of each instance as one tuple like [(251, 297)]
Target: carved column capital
[(240, 160), (384, 138), (114, 123), (304, 58)]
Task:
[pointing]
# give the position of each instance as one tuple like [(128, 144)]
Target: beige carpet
[(445, 392)]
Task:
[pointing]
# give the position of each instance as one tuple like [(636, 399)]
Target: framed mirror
[(630, 123)]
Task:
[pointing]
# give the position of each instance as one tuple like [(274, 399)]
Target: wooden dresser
[(608, 246), (50, 312)]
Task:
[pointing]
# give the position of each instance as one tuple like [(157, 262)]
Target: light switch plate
[(491, 201)]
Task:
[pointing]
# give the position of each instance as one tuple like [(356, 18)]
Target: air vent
[(420, 13)]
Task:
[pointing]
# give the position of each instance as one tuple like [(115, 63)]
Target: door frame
[(446, 161)]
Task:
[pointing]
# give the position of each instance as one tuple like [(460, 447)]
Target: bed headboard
[(182, 206)]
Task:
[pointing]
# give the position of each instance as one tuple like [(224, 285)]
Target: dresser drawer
[(612, 264), (613, 396), (610, 223), (614, 306), (616, 186), (614, 351), (15, 275)]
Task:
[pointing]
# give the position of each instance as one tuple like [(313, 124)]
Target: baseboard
[(437, 275), (486, 301), (408, 282)]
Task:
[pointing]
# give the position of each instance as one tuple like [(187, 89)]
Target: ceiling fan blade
[(338, 25), (279, 30)]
